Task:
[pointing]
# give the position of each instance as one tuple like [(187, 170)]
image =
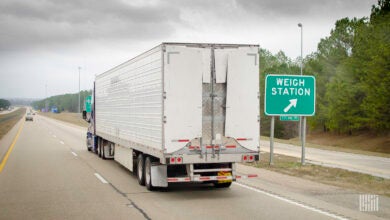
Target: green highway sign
[(88, 102), (290, 95), (289, 118)]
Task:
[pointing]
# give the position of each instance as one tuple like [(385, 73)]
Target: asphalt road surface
[(376, 166), (49, 174)]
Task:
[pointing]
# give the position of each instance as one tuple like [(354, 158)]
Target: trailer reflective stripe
[(181, 140), (178, 179), (208, 178), (244, 139), (230, 146), (215, 147), (193, 147), (222, 177)]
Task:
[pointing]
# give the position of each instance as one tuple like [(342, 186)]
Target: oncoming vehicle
[(29, 117)]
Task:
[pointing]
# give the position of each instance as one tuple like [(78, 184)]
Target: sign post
[(271, 146), (289, 96)]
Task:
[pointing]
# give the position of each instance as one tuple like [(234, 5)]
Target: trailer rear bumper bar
[(209, 158), (209, 178)]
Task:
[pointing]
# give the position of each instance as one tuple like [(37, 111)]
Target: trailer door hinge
[(254, 55)]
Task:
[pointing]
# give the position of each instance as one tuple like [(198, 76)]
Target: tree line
[(4, 104), (352, 70), (66, 102)]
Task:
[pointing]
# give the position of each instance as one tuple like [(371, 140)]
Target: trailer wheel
[(103, 155), (148, 174), (99, 148), (141, 170)]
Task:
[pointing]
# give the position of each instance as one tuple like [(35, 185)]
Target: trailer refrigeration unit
[(180, 112)]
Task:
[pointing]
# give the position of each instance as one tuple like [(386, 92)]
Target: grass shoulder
[(73, 118), (8, 121)]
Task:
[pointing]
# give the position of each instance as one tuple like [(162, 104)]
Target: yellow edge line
[(11, 147)]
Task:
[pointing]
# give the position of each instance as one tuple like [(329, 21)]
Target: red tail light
[(176, 160)]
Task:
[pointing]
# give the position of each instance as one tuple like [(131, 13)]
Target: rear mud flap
[(159, 175)]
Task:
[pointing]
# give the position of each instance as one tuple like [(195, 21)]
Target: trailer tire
[(141, 170), (102, 153), (148, 174), (99, 148)]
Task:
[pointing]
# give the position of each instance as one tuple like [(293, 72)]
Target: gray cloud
[(43, 42), (299, 8), (33, 23)]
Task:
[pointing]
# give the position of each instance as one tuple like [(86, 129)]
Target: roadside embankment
[(8, 121), (73, 118)]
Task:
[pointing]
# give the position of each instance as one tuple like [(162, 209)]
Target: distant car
[(29, 117)]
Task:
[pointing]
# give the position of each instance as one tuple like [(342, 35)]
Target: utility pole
[(79, 91), (300, 118), (46, 100), (302, 121)]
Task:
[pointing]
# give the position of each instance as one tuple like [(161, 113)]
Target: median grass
[(73, 118), (362, 183), (8, 121)]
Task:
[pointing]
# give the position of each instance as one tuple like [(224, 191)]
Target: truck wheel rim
[(140, 168), (147, 173)]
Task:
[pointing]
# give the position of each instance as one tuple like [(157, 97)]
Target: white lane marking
[(62, 142), (100, 178), (292, 202), (74, 153)]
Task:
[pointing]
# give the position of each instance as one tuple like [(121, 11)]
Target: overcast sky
[(43, 42)]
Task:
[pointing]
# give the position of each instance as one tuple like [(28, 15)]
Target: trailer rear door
[(183, 68), (242, 102)]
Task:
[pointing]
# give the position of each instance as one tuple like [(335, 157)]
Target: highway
[(376, 166), (49, 174)]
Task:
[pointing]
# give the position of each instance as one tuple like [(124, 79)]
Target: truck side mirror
[(84, 115)]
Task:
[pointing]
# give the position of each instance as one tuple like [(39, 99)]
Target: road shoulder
[(336, 200), (7, 139)]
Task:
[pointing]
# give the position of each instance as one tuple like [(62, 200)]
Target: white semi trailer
[(180, 112)]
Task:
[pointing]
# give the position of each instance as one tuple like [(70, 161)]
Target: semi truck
[(180, 112)]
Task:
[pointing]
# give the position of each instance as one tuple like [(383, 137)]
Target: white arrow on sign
[(293, 102)]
